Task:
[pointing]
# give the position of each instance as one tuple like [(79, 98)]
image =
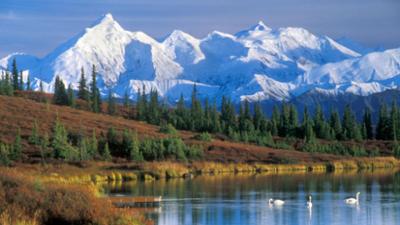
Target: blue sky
[(38, 26)]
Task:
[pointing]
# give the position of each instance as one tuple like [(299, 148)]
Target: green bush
[(168, 129), (205, 136)]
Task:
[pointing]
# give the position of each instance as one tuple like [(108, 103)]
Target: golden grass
[(29, 199)]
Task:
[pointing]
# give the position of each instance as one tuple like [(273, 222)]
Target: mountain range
[(256, 64)]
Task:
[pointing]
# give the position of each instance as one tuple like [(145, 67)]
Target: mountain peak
[(257, 29), (260, 26), (105, 20)]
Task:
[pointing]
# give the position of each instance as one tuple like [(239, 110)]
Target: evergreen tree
[(196, 112), (62, 149), (258, 116), (4, 155), (293, 120), (383, 128), (394, 121), (35, 137), (141, 104), (228, 118), (153, 109), (16, 152), (284, 121), (336, 125), (83, 148), (126, 100), (95, 93), (93, 146), (349, 123), (275, 121), (43, 147), (41, 87), (111, 108), (14, 72), (71, 96), (134, 149), (60, 95), (112, 139), (319, 122), (367, 124), (106, 154), (6, 87), (182, 114), (83, 92)]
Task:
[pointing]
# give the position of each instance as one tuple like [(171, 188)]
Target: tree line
[(249, 124)]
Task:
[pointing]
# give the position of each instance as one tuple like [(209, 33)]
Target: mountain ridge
[(257, 64)]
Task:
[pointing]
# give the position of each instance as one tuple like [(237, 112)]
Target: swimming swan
[(276, 202), (352, 200), (309, 202)]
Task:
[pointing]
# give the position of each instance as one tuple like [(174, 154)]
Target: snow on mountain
[(25, 61), (376, 66), (257, 64), (183, 48)]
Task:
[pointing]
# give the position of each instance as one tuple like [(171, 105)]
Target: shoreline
[(96, 172)]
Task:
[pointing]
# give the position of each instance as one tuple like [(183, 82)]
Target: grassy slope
[(18, 112)]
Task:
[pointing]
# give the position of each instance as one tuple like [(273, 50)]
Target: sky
[(39, 26)]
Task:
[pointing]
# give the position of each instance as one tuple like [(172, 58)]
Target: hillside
[(20, 113)]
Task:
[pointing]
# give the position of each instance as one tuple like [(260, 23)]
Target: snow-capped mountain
[(259, 63)]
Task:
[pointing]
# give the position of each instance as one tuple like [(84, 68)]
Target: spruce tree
[(134, 149), (106, 154), (111, 108), (367, 124), (4, 154), (83, 92), (319, 122), (228, 118), (349, 123), (181, 113), (336, 125), (15, 75), (394, 121), (16, 152), (41, 87), (94, 92), (153, 109), (196, 111), (293, 120), (383, 128), (126, 100), (258, 116), (35, 137), (141, 104), (60, 95), (60, 144), (71, 96), (93, 146)]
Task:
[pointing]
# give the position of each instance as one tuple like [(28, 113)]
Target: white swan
[(309, 202), (276, 202), (352, 200)]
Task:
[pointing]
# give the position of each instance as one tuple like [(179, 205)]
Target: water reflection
[(243, 199)]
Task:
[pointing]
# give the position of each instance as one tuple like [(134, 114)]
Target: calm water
[(243, 199)]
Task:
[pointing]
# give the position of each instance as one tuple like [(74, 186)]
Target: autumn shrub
[(21, 197)]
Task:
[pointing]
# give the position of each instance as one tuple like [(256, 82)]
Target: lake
[(243, 199)]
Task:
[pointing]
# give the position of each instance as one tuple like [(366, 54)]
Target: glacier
[(257, 64)]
